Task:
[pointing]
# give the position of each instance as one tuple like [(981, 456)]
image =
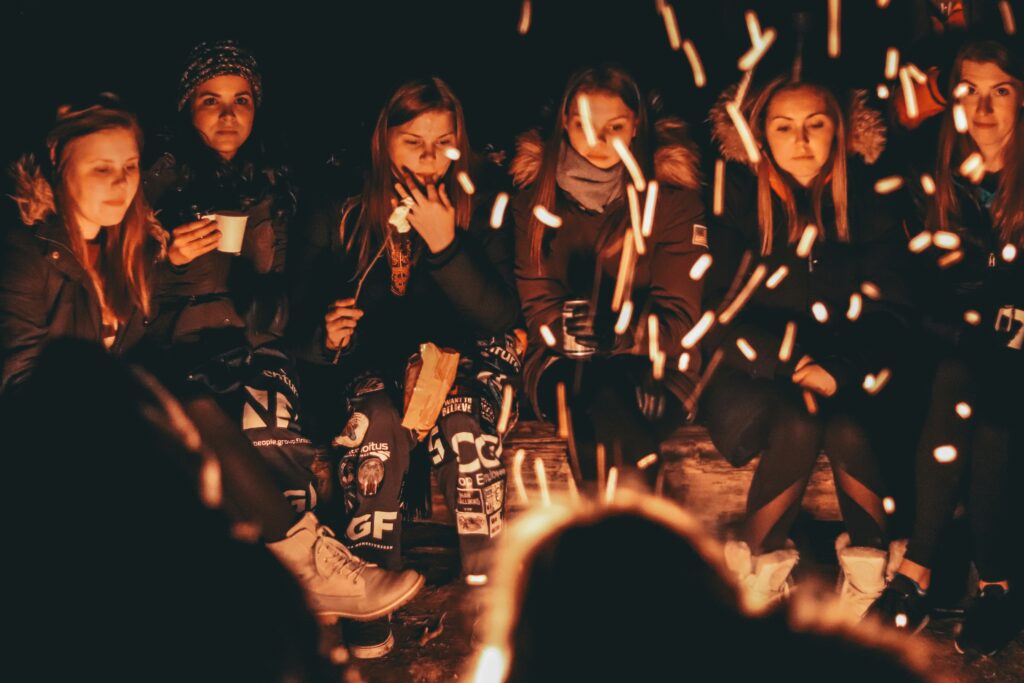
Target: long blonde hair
[(770, 178)]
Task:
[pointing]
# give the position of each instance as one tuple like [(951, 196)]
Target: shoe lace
[(333, 557)]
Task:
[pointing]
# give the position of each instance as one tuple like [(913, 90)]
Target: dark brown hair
[(1008, 205), (373, 207), (607, 78)]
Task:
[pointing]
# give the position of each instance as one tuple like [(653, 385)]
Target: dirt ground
[(434, 633)]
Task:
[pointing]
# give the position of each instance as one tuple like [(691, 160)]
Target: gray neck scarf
[(592, 187)]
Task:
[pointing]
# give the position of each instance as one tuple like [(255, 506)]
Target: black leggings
[(983, 443), (601, 396), (747, 416)]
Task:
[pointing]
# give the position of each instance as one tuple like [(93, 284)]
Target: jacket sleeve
[(24, 308), (541, 295), (675, 296), (476, 274)]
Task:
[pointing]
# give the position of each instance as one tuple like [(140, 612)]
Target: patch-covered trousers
[(464, 446)]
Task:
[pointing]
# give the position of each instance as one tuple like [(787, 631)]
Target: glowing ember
[(684, 361), (788, 339), (889, 184), (646, 461), (945, 454), (909, 95), (753, 26), (452, 153), (542, 481), (820, 311), (718, 204), (972, 317), (613, 481), (916, 73), (871, 290), (211, 490), (563, 411), (652, 337), (803, 247), (889, 505), (658, 365), (524, 18), (951, 258), (546, 217), (700, 79), (625, 315), (586, 120), (650, 201), (944, 239), (700, 266), (696, 332), (547, 335), (901, 620), (746, 349), (741, 299), (892, 63), (963, 409), (465, 182), (972, 164), (752, 56), (1006, 12), (882, 90), (875, 383), (856, 306), (753, 153), (506, 409), (632, 166), (882, 4), (634, 219), (810, 403), (498, 210), (1009, 253), (671, 26), (920, 242), (339, 655), (960, 118), (961, 90), (928, 184), (833, 28), (517, 476), (624, 278), (476, 579), (493, 663), (778, 276)]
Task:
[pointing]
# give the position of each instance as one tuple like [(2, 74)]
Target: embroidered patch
[(354, 431), (700, 234)]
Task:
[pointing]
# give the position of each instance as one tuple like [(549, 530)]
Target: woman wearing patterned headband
[(218, 165), (83, 263)]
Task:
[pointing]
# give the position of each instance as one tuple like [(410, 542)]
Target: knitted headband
[(208, 60)]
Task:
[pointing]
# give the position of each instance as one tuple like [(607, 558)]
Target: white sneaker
[(861, 577), (337, 583), (764, 579)]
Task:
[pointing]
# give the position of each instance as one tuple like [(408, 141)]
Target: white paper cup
[(232, 230)]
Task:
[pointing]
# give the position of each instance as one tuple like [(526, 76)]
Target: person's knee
[(845, 440)]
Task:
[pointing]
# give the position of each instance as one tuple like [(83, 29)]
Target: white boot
[(337, 583), (864, 573), (763, 579)]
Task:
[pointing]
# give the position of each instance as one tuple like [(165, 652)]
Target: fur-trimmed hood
[(34, 196), (865, 128), (676, 159)]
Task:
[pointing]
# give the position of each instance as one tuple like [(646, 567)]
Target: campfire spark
[(741, 299), (466, 182), (777, 277), (945, 454), (700, 79), (629, 161), (700, 266), (718, 203), (696, 332), (517, 476), (788, 339), (963, 409), (889, 184), (498, 210), (803, 247), (546, 217)]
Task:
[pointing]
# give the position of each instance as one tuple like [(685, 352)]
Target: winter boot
[(337, 583), (863, 574), (369, 639), (764, 579)]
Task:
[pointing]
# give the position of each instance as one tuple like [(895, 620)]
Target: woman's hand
[(431, 214), (813, 377), (340, 323), (192, 240)]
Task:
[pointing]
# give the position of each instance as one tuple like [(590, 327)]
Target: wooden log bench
[(696, 475)]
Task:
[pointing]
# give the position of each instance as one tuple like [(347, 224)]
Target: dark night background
[(328, 67)]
